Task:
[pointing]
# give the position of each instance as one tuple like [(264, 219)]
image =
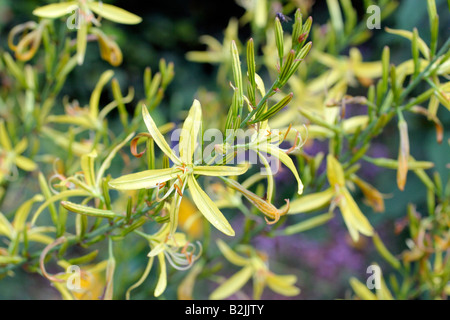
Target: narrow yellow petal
[(353, 216), (335, 173), (114, 13), (158, 137), (25, 163), (311, 202), (189, 133), (55, 10), (145, 179), (6, 229), (162, 280), (230, 255), (21, 146), (220, 171), (283, 285), (5, 142), (233, 284), (403, 155), (285, 159), (361, 290), (208, 208), (23, 211), (81, 43)]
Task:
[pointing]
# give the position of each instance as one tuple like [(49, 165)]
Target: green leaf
[(409, 35), (336, 16), (56, 197), (90, 211), (95, 97), (308, 224), (107, 162), (274, 109), (279, 40), (251, 67), (237, 74), (114, 13), (384, 252), (10, 260)]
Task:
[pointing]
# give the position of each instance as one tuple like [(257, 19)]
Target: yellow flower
[(252, 266), (180, 254), (182, 173), (354, 219), (85, 16), (10, 157)]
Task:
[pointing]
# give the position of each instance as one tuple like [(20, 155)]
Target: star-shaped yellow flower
[(182, 173)]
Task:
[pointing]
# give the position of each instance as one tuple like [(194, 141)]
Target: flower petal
[(189, 133), (220, 171), (208, 208), (162, 281), (361, 290), (310, 202), (335, 173), (114, 13), (158, 137), (230, 255), (145, 179), (353, 217), (175, 208), (233, 284), (283, 285), (25, 163), (286, 160), (55, 10), (5, 142)]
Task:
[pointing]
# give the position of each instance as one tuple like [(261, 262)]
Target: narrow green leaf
[(95, 97), (308, 224), (90, 211)]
